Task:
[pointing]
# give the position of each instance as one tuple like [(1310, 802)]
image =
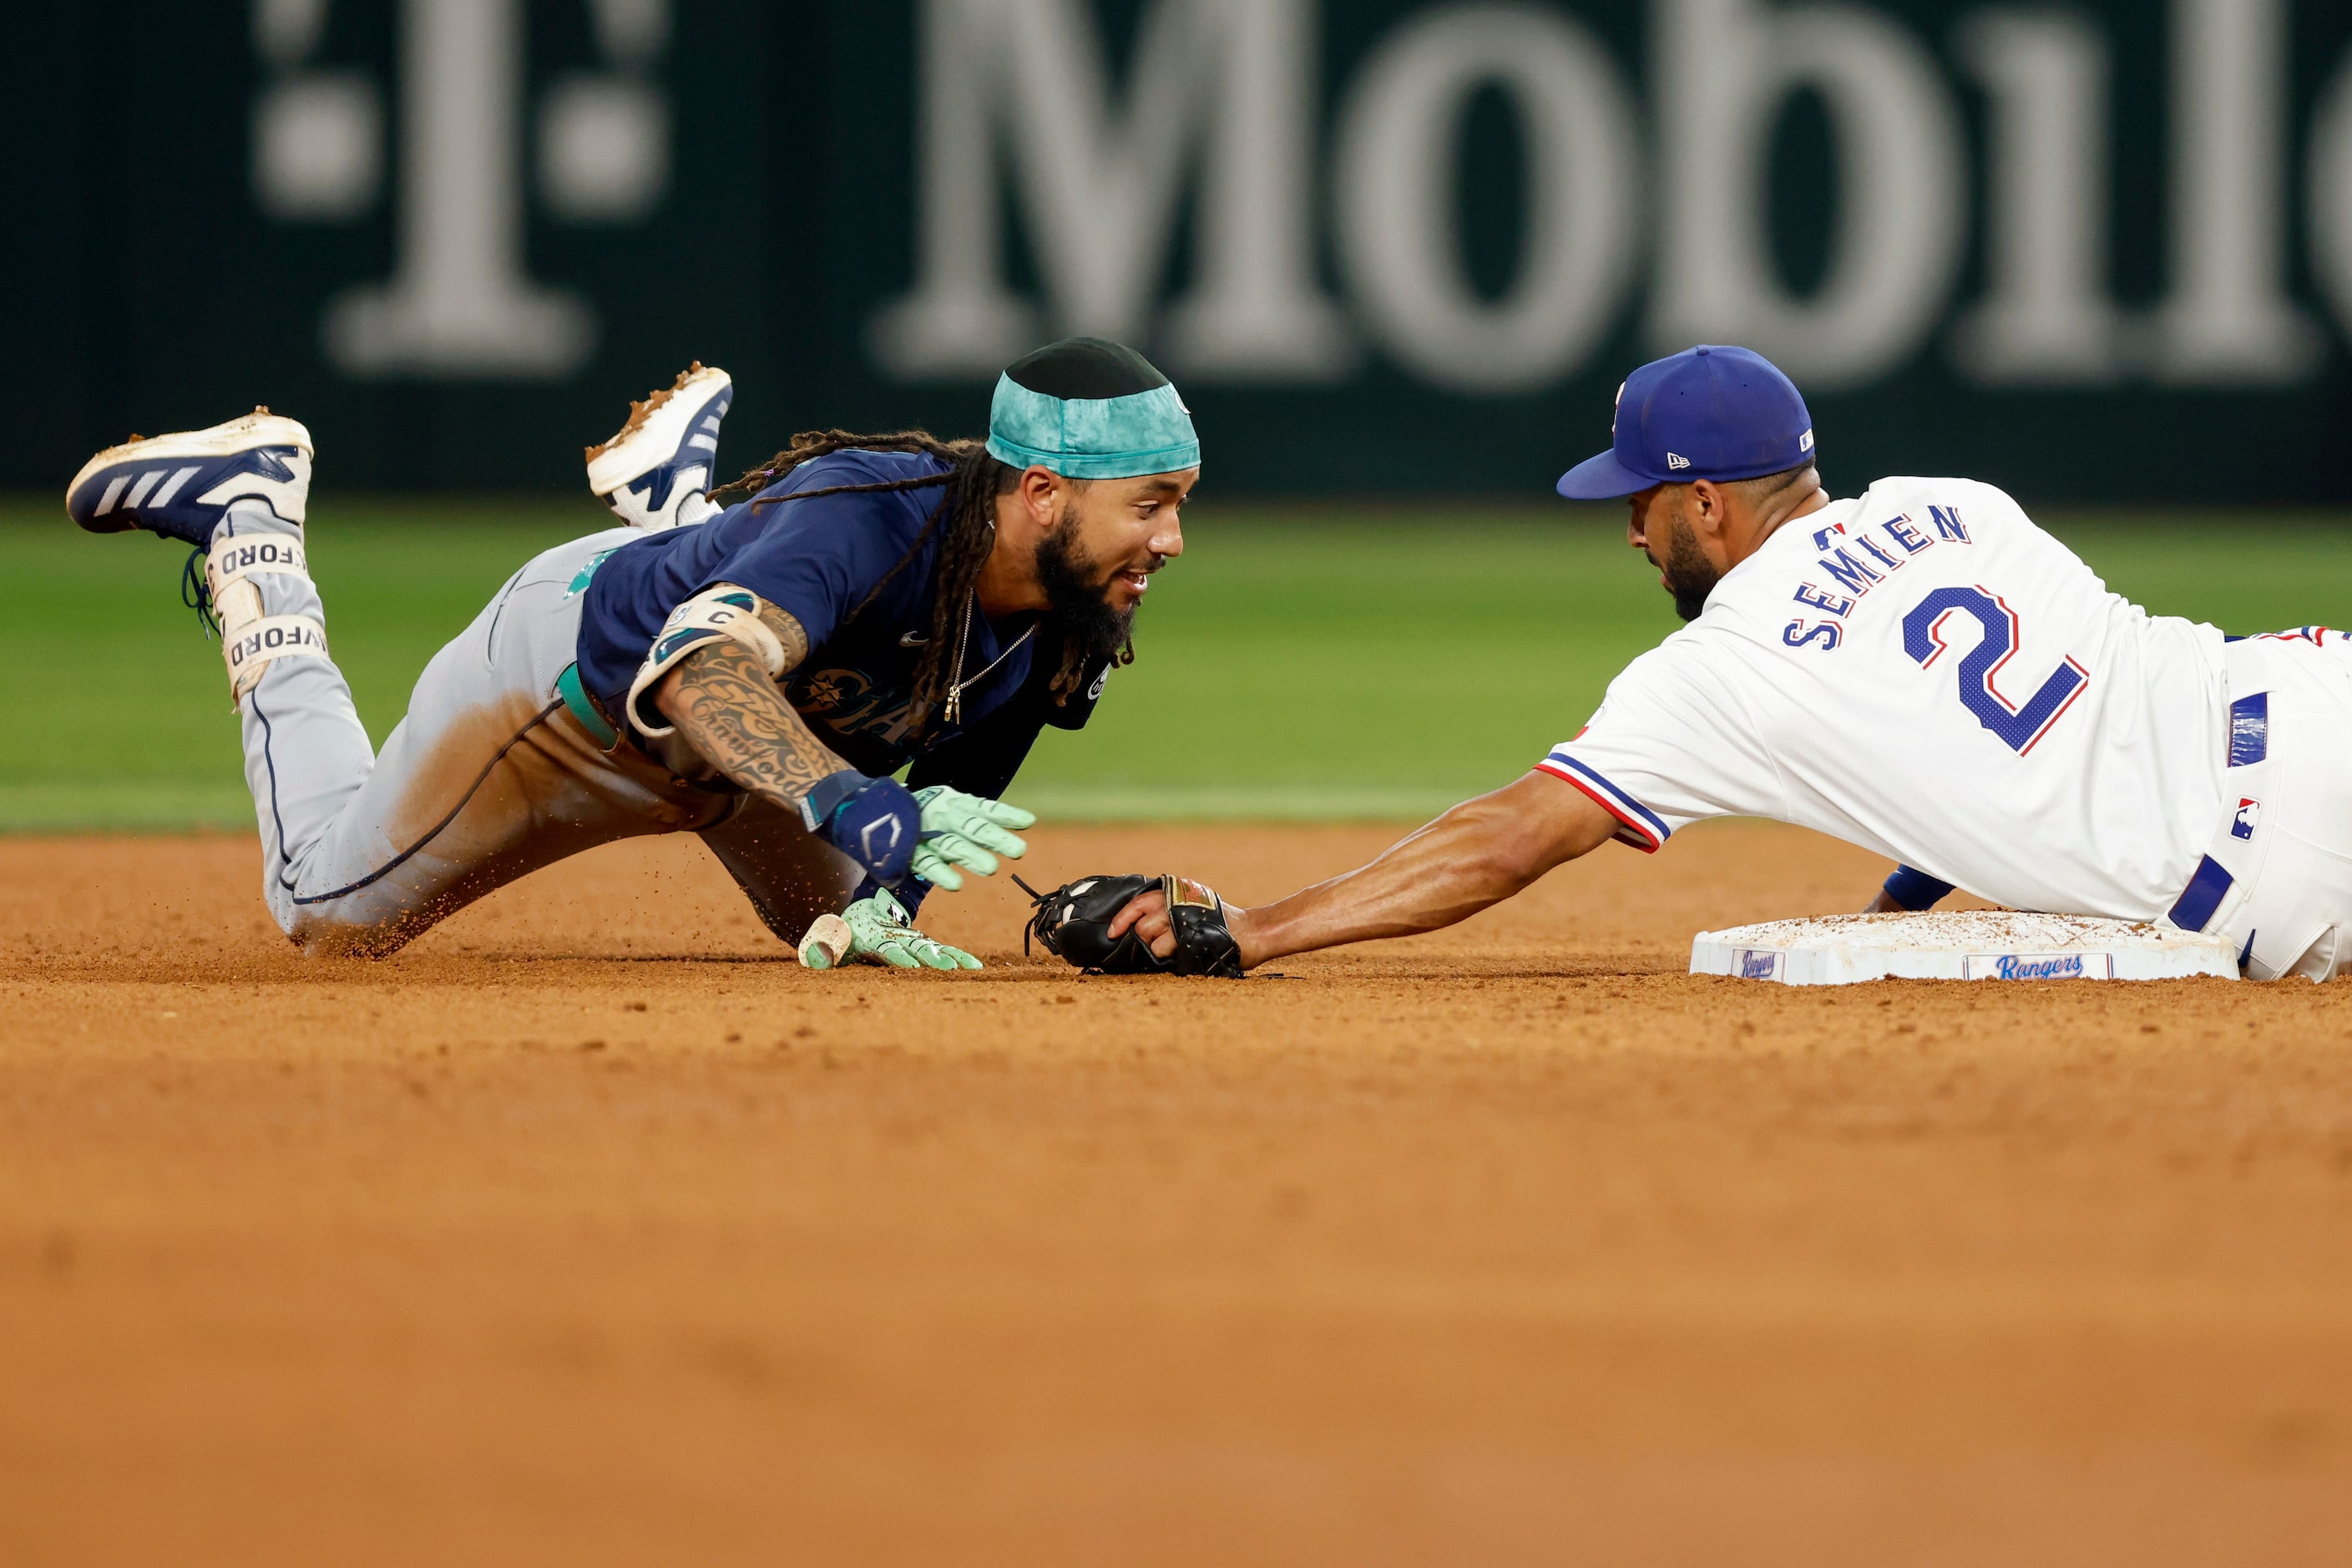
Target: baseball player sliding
[(754, 674), (1919, 670)]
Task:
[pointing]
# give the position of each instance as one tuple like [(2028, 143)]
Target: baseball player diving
[(753, 673), (1919, 670)]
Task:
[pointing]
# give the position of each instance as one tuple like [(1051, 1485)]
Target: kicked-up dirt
[(592, 1230)]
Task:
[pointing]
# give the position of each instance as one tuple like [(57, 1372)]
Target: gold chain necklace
[(956, 682)]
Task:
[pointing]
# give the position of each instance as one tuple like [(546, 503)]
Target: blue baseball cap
[(1707, 413)]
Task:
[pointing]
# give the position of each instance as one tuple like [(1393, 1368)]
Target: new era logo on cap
[(1713, 412)]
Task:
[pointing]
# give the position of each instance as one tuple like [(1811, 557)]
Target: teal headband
[(1092, 438)]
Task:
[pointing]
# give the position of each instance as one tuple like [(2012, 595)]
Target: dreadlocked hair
[(967, 514)]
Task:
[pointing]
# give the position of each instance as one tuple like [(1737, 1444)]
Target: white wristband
[(249, 649), (233, 559), (721, 614)]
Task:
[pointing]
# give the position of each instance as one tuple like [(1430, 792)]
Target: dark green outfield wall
[(2103, 253)]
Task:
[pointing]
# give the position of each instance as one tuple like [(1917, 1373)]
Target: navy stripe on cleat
[(656, 472), (180, 485)]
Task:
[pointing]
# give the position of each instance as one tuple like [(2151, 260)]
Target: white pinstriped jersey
[(1926, 673)]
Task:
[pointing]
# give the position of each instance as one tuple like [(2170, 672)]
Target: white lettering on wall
[(604, 136), (318, 135), (285, 31), (2331, 192), (603, 148), (459, 303), (631, 32), (1221, 109), (1257, 313), (1227, 84), (318, 147), (1398, 145), (2049, 316), (1732, 64), (2228, 317)]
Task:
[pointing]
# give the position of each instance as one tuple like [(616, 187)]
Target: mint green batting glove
[(874, 931), (964, 830)]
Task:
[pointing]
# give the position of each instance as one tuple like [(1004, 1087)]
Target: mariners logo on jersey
[(851, 702)]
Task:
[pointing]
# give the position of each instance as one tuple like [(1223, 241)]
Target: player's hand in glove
[(929, 833), (873, 821), (1084, 922), (874, 931), (964, 830)]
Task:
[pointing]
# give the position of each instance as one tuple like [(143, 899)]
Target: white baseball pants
[(488, 778), (2284, 851)]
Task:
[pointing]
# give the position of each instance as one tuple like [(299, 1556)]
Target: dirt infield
[(593, 1231)]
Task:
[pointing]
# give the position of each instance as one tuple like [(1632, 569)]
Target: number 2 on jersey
[(2018, 727)]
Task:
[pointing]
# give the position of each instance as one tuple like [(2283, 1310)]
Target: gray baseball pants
[(488, 778)]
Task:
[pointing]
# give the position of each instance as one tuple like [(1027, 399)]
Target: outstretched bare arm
[(1477, 854), (729, 709)]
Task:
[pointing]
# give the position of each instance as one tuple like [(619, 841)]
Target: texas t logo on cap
[(1708, 413)]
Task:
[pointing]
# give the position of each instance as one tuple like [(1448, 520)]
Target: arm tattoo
[(724, 704), (788, 631)]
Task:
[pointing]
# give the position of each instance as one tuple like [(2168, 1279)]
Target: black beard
[(1690, 575), (1075, 605)]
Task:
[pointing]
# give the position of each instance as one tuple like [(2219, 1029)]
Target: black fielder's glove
[(1073, 922)]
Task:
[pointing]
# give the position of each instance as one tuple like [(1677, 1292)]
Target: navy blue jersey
[(819, 560)]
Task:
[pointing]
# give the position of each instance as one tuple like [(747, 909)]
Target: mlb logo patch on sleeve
[(2248, 813)]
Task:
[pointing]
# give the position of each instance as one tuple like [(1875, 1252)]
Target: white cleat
[(658, 473), (180, 485)]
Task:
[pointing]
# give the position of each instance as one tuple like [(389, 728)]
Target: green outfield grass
[(1298, 663)]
